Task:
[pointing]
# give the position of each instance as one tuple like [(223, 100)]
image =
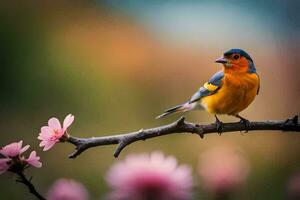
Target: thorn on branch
[(199, 131), (119, 148), (180, 122), (78, 150), (140, 132), (290, 123), (294, 120)]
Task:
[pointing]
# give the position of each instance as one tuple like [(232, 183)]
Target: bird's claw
[(246, 124), (219, 126)]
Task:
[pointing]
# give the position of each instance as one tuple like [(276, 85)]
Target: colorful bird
[(228, 91)]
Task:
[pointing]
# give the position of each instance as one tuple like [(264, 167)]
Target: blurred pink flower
[(223, 170), (152, 176), (52, 133), (13, 159), (293, 187), (66, 189)]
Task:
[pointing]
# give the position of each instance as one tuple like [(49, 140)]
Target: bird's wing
[(210, 87)]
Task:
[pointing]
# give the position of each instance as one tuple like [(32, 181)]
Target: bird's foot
[(219, 125), (246, 123)]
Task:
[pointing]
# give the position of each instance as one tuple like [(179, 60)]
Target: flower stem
[(30, 186)]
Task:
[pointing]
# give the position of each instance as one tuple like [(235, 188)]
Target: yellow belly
[(235, 95)]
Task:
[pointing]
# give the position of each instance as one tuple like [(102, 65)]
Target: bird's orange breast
[(235, 95)]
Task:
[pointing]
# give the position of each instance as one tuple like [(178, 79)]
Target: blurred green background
[(117, 64)]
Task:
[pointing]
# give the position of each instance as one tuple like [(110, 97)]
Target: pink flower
[(151, 176), (64, 189), (52, 133), (223, 170), (13, 149), (13, 159)]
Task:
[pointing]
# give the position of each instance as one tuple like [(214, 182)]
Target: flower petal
[(68, 121), (3, 165), (42, 137), (46, 133), (34, 160), (46, 130), (43, 143), (54, 123), (48, 145), (24, 149)]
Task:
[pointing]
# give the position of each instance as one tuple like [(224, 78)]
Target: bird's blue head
[(237, 59)]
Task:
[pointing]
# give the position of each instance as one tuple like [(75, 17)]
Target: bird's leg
[(245, 122), (219, 125)]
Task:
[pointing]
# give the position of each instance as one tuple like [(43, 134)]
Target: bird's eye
[(236, 57)]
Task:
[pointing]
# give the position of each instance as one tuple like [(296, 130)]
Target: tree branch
[(179, 126), (30, 186)]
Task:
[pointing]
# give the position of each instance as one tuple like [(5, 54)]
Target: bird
[(229, 91)]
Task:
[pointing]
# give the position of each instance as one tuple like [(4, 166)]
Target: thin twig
[(179, 126), (30, 186)]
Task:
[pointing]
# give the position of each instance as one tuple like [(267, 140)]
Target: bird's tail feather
[(179, 108)]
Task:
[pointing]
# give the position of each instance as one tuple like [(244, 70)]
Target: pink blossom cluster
[(14, 160)]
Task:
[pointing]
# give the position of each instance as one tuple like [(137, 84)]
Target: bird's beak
[(222, 60)]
